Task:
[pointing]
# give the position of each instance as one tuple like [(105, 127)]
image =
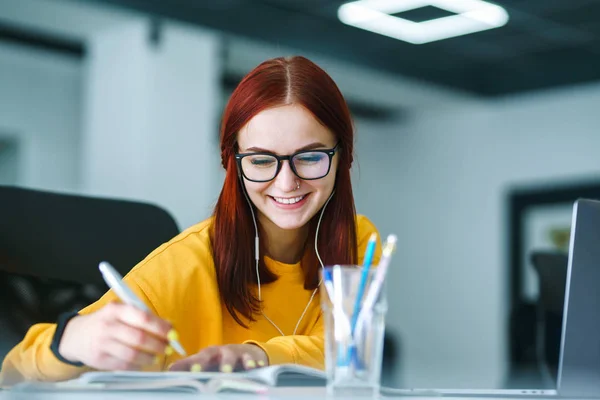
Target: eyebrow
[(312, 146)]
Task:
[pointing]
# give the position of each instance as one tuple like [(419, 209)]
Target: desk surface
[(290, 393)]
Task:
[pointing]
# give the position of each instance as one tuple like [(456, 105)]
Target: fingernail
[(196, 368), (261, 363), (173, 335), (168, 350), (226, 368), (250, 364), (157, 360), (169, 366)]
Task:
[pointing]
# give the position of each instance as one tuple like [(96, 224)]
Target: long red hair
[(278, 82)]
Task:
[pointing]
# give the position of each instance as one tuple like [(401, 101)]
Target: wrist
[(62, 344)]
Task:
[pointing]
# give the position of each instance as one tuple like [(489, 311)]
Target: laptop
[(578, 373)]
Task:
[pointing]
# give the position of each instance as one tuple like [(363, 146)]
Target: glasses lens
[(259, 167), (311, 164)]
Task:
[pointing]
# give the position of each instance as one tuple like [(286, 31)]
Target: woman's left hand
[(226, 358)]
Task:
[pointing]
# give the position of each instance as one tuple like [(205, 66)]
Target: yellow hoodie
[(178, 283)]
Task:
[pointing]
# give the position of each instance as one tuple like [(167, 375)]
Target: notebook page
[(276, 375), (163, 385)]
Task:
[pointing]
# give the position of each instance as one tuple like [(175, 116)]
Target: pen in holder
[(364, 341), (374, 294), (352, 357)]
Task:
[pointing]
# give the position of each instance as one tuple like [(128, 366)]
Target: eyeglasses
[(306, 164)]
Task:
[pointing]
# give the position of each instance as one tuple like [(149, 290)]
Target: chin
[(288, 223)]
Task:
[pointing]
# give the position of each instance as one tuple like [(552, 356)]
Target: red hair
[(278, 82)]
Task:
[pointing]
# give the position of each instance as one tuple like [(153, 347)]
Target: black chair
[(50, 247), (552, 272)]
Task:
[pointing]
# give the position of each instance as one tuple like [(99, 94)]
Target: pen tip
[(390, 245)]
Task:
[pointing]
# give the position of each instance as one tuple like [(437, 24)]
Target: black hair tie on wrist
[(63, 320)]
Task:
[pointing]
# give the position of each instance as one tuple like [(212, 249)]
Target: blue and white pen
[(376, 286), (368, 260), (327, 281), (116, 283)]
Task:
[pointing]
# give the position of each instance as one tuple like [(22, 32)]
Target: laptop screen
[(579, 367)]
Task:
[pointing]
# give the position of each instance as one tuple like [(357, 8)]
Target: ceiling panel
[(546, 43)]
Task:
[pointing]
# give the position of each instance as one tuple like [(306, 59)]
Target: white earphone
[(257, 257)]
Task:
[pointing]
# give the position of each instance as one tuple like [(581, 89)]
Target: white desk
[(289, 393)]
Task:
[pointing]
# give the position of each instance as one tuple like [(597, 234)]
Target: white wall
[(41, 92), (40, 104), (440, 184), (147, 136), (151, 118)]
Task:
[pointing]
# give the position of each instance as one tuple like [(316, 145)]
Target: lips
[(290, 203), (289, 200)]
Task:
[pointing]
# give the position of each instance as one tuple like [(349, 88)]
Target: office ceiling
[(546, 43)]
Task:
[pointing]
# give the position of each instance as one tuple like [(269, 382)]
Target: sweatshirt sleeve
[(162, 281), (32, 358)]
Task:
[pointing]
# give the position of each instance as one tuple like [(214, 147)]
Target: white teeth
[(293, 200)]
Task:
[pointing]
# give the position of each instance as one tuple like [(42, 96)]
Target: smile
[(288, 200)]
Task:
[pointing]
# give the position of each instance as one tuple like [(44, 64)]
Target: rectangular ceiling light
[(377, 16)]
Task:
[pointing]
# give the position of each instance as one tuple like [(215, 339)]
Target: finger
[(259, 355), (143, 320), (248, 361), (128, 357), (139, 339), (201, 361), (229, 359)]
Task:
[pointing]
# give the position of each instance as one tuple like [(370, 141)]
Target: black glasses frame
[(329, 152)]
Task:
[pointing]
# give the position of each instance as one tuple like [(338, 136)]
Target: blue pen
[(363, 279), (328, 282), (352, 356)]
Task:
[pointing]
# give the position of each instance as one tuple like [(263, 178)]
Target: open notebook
[(257, 380)]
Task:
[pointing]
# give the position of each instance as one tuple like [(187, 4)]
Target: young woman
[(239, 290)]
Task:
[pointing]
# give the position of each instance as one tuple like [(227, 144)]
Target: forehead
[(284, 129)]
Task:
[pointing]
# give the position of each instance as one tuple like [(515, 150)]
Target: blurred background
[(471, 148)]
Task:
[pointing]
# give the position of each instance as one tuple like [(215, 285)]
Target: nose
[(286, 179)]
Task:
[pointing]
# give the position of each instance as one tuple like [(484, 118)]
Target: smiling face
[(283, 131)]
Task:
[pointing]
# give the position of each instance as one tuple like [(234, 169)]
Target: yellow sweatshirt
[(178, 283)]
